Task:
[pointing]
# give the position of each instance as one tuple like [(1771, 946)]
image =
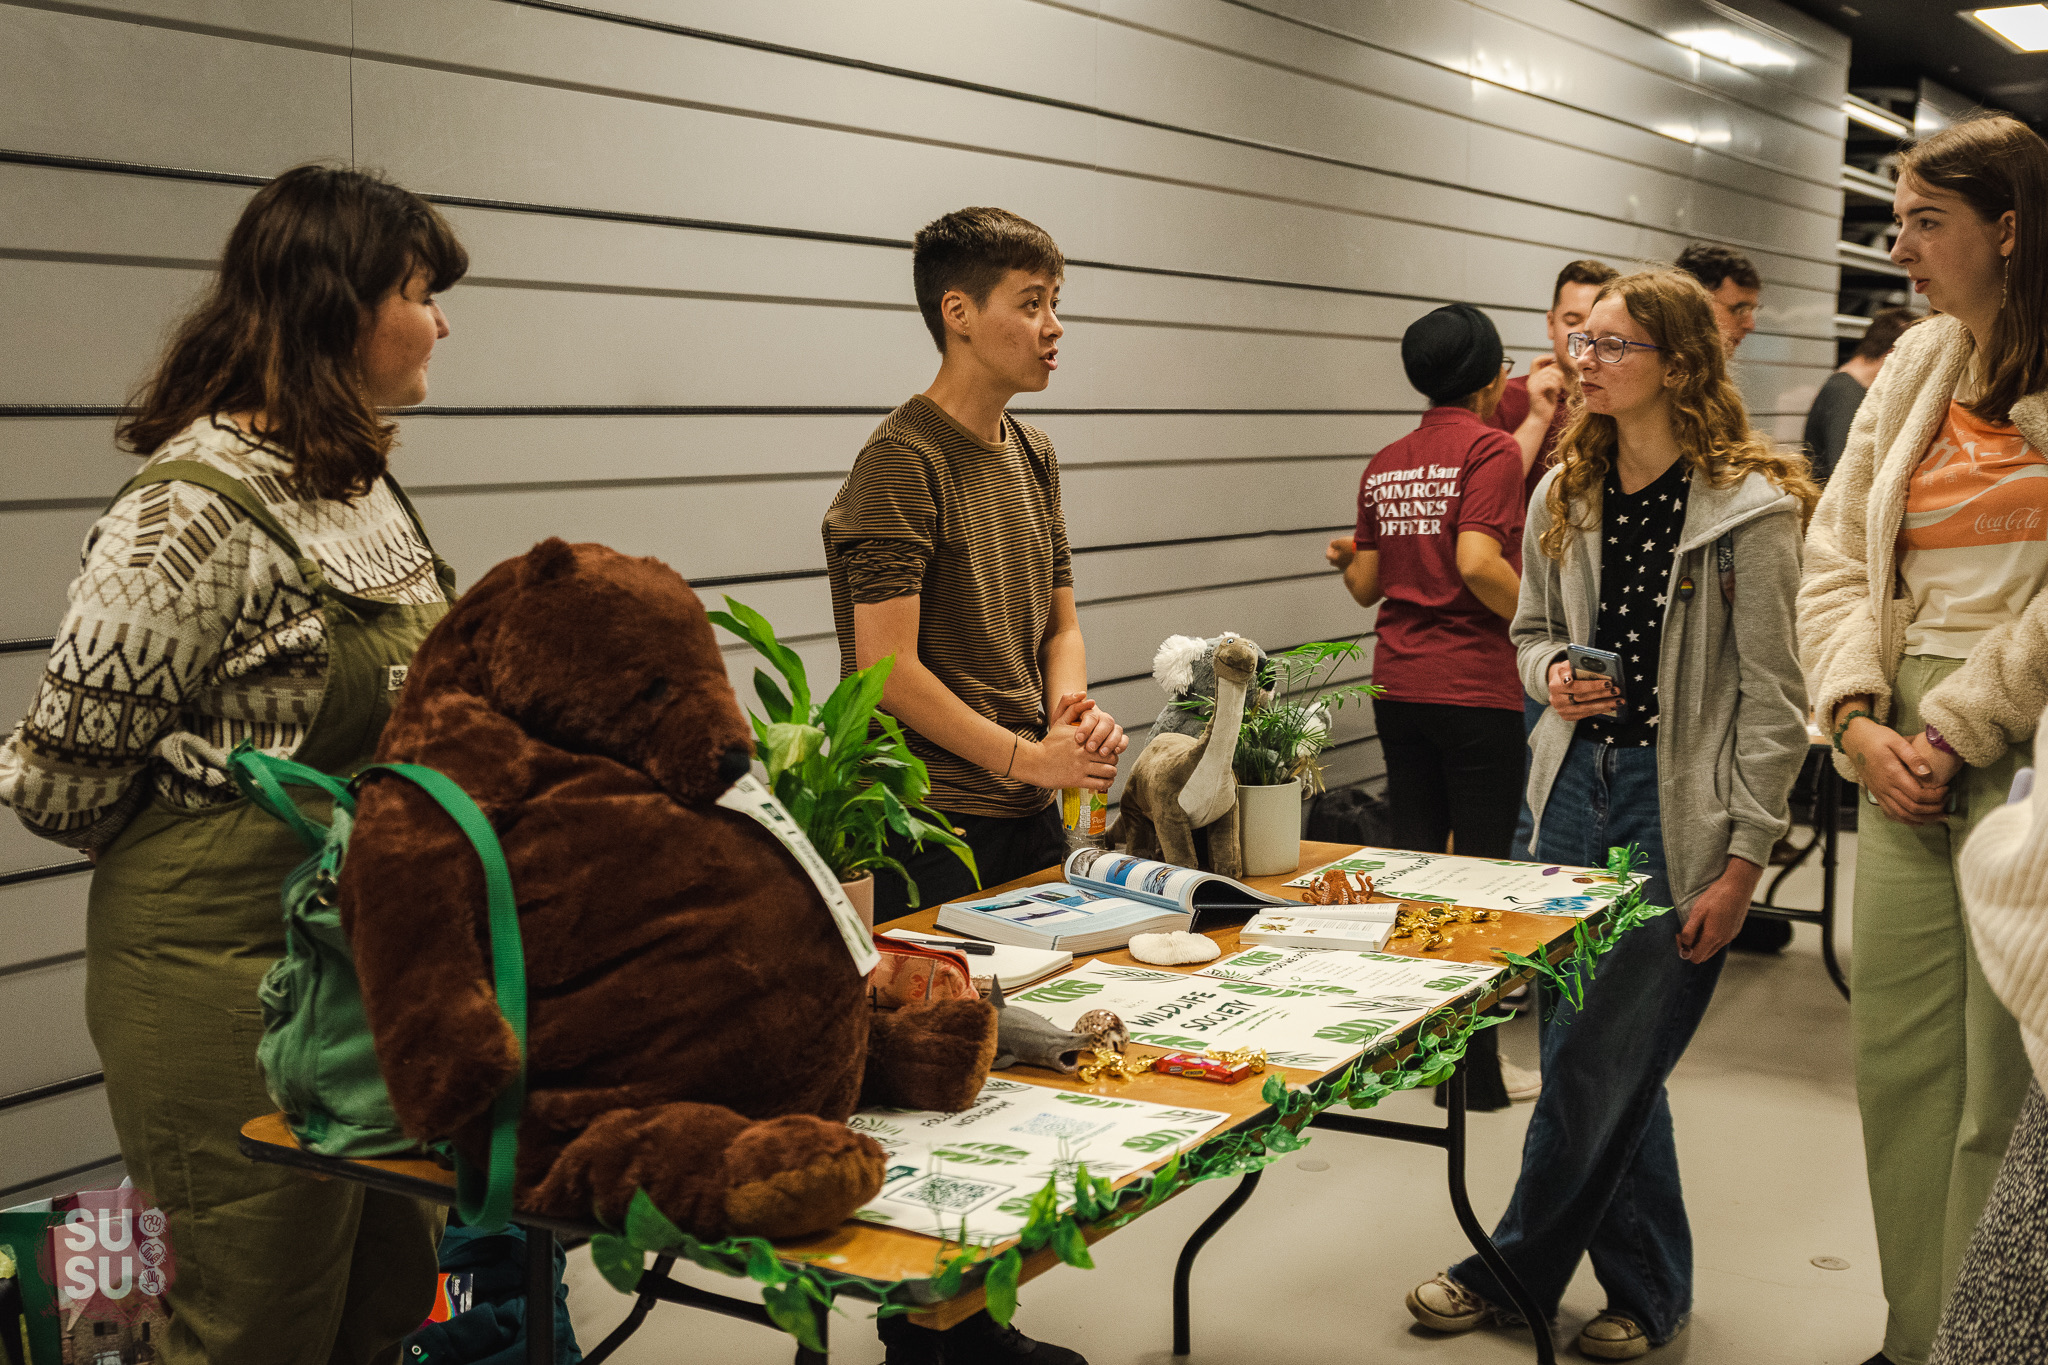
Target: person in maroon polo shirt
[(1535, 406), (1438, 540)]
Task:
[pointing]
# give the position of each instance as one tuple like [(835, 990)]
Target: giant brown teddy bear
[(696, 1025)]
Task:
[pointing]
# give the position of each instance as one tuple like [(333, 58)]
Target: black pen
[(958, 945)]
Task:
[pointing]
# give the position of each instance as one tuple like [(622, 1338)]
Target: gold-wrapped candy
[(1105, 1065), (1253, 1057)]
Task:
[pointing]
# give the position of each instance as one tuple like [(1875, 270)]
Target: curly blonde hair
[(1707, 414)]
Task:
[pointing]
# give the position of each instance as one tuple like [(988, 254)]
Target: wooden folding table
[(855, 1253)]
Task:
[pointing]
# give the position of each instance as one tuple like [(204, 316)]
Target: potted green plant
[(1278, 761), (842, 767)]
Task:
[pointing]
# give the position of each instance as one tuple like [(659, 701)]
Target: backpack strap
[(263, 778), (484, 1198)]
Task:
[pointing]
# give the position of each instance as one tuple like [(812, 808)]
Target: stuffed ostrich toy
[(1180, 804)]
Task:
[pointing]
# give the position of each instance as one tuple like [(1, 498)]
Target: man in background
[(1535, 406), (1834, 408), (1534, 409), (1732, 286)]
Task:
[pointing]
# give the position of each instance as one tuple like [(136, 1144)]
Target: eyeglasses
[(1609, 349)]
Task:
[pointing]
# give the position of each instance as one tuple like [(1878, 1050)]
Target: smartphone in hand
[(1588, 664)]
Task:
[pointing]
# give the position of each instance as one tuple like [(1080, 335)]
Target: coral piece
[(1171, 950)]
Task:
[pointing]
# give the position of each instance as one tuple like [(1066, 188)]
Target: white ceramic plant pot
[(1269, 824), (862, 894)]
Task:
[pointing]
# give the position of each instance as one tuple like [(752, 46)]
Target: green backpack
[(318, 1059)]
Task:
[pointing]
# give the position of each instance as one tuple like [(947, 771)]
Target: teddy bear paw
[(798, 1174)]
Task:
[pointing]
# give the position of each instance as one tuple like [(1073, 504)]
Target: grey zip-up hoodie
[(1731, 729)]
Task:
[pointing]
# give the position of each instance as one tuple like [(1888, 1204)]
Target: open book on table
[(1106, 900)]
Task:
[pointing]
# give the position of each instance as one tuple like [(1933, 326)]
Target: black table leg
[(1186, 1265), (1451, 1137), (540, 1296), (1475, 1232), (1829, 795), (641, 1307)]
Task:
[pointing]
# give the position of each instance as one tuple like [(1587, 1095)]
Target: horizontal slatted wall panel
[(689, 304)]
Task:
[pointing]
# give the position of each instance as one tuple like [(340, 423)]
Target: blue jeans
[(1525, 823), (1599, 1165)]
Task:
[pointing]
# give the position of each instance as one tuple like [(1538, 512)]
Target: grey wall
[(689, 222)]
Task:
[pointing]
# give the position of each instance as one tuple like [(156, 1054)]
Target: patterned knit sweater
[(190, 630)]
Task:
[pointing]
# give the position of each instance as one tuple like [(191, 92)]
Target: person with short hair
[(946, 548), (1668, 535), (1534, 407), (1732, 286), (1834, 407), (262, 580), (1923, 624), (1439, 535)]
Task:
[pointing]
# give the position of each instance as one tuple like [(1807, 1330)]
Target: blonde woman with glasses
[(1668, 536)]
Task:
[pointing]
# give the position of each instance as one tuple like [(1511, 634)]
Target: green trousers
[(1940, 1069), (271, 1266)]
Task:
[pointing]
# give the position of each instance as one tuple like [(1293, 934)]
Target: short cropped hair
[(1588, 271), (1886, 327), (971, 250), (1714, 265)]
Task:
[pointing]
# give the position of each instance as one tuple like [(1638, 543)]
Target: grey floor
[(1315, 1267)]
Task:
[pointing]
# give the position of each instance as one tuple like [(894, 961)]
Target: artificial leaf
[(1070, 1246), (647, 1228), (618, 1261), (1000, 1287), (790, 1308)]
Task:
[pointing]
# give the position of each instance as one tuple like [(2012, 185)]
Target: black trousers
[(1005, 848), (1456, 771), (1452, 770)]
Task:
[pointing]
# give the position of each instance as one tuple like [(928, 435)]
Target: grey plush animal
[(1185, 667), (1031, 1038)]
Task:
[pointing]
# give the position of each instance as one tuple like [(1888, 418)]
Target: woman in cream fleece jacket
[(1924, 634)]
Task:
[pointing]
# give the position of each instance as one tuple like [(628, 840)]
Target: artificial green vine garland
[(797, 1293)]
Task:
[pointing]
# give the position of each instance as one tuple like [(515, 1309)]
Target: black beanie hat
[(1451, 353)]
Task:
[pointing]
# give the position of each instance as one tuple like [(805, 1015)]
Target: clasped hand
[(1080, 748), (1909, 777)]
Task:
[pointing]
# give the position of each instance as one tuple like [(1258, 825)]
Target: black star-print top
[(1638, 536)]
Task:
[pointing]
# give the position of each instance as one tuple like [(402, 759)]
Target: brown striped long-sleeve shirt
[(975, 530)]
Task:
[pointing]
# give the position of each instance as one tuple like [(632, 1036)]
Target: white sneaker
[(1522, 1085), (1613, 1337), (1443, 1305)]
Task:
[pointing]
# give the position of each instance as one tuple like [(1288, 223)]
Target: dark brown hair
[(971, 250), (1587, 271), (1887, 325), (1707, 414), (1713, 265), (1997, 165), (314, 252)]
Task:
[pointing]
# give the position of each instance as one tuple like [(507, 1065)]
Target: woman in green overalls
[(262, 579)]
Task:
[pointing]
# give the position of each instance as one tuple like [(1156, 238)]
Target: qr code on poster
[(951, 1193), (1059, 1126)]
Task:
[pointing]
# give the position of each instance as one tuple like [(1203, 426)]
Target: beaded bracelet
[(1847, 721)]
